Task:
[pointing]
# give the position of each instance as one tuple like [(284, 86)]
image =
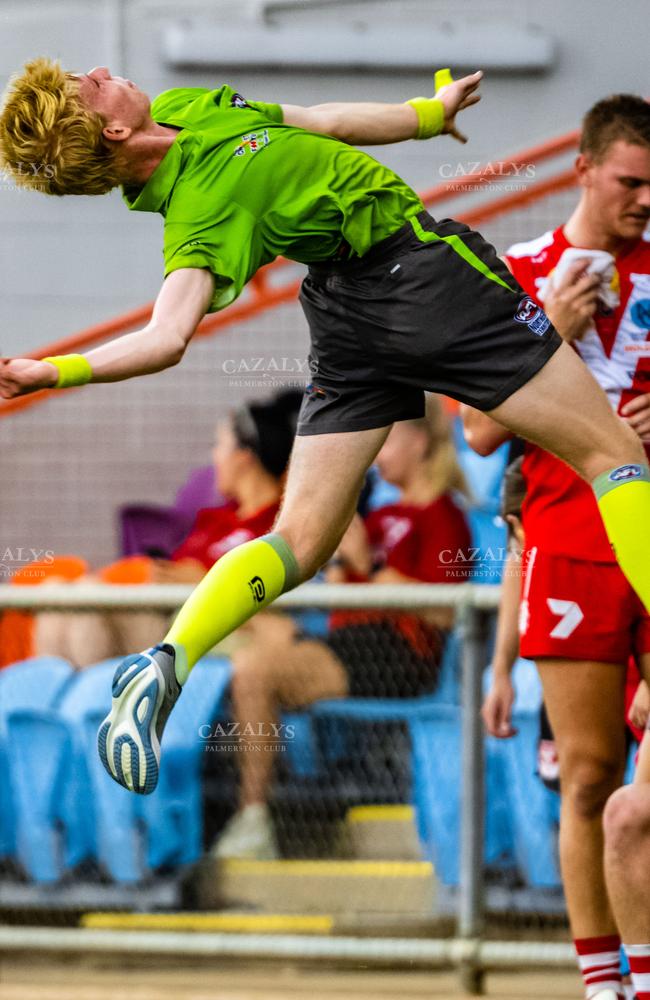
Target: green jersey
[(238, 188)]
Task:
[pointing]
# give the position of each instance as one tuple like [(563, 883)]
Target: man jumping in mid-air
[(396, 303)]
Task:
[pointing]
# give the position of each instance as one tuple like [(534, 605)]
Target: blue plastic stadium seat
[(519, 823), (32, 683), (437, 786), (48, 764), (118, 836), (303, 752), (172, 816), (521, 815), (91, 688), (137, 834), (307, 758)]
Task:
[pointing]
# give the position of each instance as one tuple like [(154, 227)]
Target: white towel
[(599, 262)]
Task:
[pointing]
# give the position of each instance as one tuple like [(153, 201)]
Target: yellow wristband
[(74, 369), (431, 116), (431, 110)]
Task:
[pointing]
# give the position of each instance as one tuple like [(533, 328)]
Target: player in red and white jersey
[(612, 345), (579, 619)]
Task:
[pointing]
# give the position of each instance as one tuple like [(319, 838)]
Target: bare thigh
[(564, 410), (325, 476), (296, 671), (585, 704)]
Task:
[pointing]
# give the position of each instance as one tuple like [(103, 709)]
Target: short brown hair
[(621, 116), (49, 140)]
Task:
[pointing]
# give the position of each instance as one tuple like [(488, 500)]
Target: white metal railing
[(168, 597)]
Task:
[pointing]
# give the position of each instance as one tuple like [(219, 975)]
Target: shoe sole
[(127, 741)]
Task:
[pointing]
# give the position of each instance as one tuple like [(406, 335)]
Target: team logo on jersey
[(253, 141), (533, 316), (640, 313), (237, 101), (625, 472)]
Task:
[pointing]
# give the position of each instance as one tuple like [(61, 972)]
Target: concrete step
[(316, 887), (383, 833)]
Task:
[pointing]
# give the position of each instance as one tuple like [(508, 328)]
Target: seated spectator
[(251, 454), (366, 654)]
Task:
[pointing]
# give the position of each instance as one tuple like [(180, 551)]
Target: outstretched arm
[(181, 304), (376, 124)]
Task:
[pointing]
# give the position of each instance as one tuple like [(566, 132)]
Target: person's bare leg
[(51, 634), (82, 638), (134, 629), (325, 477), (268, 676), (564, 410), (51, 630), (627, 859), (627, 846), (585, 704), (91, 638)]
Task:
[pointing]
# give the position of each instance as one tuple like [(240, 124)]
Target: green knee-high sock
[(241, 583), (624, 501)]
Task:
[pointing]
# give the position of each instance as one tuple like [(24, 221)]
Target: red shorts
[(579, 610)]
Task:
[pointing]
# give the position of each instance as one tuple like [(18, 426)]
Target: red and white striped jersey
[(560, 512)]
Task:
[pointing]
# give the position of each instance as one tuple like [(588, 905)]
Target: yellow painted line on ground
[(254, 923), (328, 869), (382, 814)]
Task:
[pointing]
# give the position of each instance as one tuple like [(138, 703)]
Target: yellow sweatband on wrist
[(431, 110), (74, 369), (431, 116)]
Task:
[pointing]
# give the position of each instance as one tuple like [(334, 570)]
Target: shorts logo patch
[(314, 392), (625, 472), (533, 316), (237, 101), (253, 141)]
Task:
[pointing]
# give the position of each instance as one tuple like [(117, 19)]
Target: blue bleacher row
[(60, 809)]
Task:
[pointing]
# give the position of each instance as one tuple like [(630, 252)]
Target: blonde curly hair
[(49, 140)]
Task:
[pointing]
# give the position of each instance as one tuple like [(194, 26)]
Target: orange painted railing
[(261, 294)]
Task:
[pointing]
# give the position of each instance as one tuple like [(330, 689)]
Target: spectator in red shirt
[(250, 455), (366, 654)]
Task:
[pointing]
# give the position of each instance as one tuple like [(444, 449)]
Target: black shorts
[(380, 662), (430, 308)]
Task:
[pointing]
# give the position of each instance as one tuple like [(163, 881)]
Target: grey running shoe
[(145, 690)]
